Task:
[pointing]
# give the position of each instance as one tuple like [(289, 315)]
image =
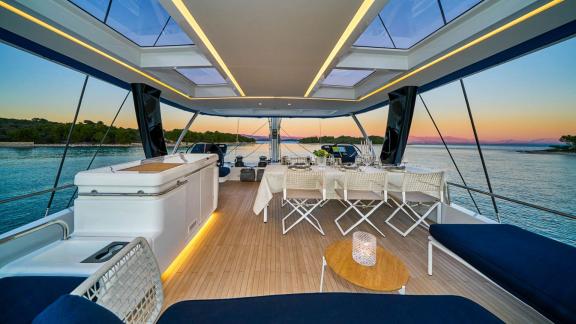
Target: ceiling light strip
[(276, 98), (87, 46), (466, 46), (388, 85), (196, 27), (343, 38)]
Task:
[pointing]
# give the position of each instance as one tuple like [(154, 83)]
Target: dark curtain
[(147, 106), (400, 112)]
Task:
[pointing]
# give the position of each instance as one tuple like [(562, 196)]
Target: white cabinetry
[(167, 207)]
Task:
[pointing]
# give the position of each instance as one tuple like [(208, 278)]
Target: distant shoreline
[(557, 152), (32, 144)]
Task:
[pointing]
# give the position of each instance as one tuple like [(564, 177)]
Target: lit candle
[(364, 248)]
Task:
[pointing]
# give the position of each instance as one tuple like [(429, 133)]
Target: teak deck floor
[(238, 255)]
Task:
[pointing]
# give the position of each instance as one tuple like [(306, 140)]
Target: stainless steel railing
[(63, 225), (516, 201), (36, 193)]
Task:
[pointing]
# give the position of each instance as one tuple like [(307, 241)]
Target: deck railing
[(513, 200), (35, 193), (62, 224)]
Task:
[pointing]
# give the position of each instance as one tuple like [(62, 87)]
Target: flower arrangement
[(321, 153)]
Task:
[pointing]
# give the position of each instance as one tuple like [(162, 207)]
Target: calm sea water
[(544, 179)]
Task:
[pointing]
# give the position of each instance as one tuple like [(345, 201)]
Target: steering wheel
[(219, 152)]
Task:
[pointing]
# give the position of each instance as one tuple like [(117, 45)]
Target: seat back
[(198, 148), (366, 181), (299, 160), (128, 285), (302, 180), (431, 183)]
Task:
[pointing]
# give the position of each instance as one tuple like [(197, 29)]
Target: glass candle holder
[(364, 248)]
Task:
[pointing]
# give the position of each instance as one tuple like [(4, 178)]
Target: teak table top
[(152, 167), (388, 274)]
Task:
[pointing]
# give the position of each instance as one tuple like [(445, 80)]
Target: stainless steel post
[(366, 138), (70, 131), (183, 133), (449, 153), (275, 139), (480, 150)]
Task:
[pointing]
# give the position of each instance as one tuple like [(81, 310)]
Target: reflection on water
[(543, 179)]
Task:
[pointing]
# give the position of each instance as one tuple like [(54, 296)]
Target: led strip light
[(465, 46), (341, 41), (87, 46), (188, 250), (196, 27), (354, 22)]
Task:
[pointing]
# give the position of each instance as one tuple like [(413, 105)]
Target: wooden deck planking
[(238, 255)]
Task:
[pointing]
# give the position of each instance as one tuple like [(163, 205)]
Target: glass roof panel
[(375, 36), (202, 76), (454, 8), (141, 21), (406, 22), (345, 78), (96, 8), (410, 21), (172, 35), (145, 22)]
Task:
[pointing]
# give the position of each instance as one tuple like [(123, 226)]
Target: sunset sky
[(532, 97)]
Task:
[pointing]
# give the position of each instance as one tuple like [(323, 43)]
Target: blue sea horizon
[(543, 179)]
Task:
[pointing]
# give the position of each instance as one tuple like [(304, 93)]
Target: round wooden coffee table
[(389, 273)]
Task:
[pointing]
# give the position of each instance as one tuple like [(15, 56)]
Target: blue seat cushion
[(22, 298), (70, 309), (538, 270), (330, 308), (223, 171)]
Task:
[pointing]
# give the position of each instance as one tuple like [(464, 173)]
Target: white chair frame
[(419, 182), (376, 182), (303, 180), (128, 284)]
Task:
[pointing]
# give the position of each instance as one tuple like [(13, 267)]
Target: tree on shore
[(208, 137), (340, 140), (570, 140), (42, 131)]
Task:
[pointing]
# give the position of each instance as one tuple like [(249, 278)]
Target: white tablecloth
[(273, 179)]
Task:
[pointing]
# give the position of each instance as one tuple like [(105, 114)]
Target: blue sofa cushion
[(223, 171), (538, 270), (22, 298), (70, 309), (330, 308)]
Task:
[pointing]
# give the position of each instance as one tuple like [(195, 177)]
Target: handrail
[(140, 193), (61, 223), (32, 194), (520, 202)]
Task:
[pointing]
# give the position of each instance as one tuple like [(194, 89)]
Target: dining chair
[(362, 191), (422, 189), (300, 160), (304, 191)]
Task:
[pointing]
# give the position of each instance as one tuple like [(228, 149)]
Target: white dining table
[(273, 178)]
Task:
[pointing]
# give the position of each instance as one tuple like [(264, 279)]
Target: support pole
[(449, 153), (101, 143), (70, 131), (479, 149), (275, 139), (400, 113), (366, 137), (184, 132), (149, 118)]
